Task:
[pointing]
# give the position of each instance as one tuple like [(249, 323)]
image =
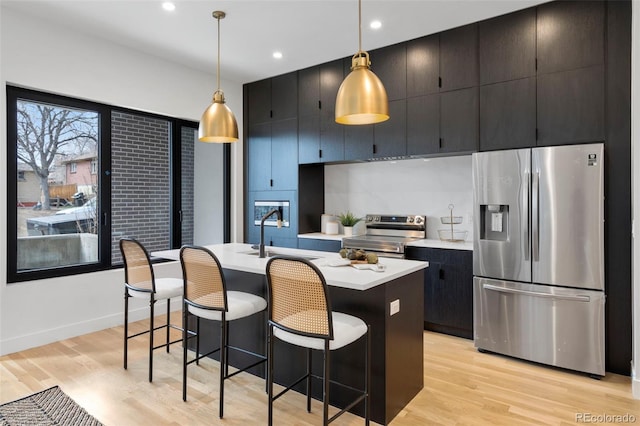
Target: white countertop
[(464, 245), (430, 243), (321, 236), (239, 257)]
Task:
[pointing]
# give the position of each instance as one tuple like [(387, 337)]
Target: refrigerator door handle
[(576, 298), (525, 217), (535, 217)]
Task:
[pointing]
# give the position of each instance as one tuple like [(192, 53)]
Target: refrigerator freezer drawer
[(550, 325)]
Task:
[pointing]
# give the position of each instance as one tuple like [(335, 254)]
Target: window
[(130, 174)]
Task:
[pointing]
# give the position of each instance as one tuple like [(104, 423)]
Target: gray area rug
[(46, 408)]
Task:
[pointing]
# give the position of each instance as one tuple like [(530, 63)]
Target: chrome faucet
[(265, 217)]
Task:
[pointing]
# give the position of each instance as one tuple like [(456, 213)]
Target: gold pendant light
[(218, 124), (362, 98)]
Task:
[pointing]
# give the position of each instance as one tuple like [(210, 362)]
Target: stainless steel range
[(387, 235)]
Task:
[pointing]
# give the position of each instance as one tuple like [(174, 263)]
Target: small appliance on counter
[(325, 221), (387, 235)]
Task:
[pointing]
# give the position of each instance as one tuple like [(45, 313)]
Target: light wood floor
[(462, 387)]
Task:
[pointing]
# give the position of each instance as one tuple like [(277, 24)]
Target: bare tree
[(47, 131)]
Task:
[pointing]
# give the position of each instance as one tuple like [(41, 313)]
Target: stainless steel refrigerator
[(538, 255)]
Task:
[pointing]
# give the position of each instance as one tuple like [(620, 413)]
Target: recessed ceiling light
[(277, 55), (168, 6), (375, 24)]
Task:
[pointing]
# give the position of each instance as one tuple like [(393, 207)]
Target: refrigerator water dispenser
[(494, 222)]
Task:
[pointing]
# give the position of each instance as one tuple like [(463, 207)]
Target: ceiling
[(307, 32)]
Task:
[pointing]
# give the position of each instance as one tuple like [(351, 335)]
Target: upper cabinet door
[(508, 47), (459, 58), (331, 76), (308, 91), (259, 99), (423, 124), (390, 137), (284, 154), (570, 35), (423, 66), (570, 106), (284, 96), (259, 157), (390, 65), (508, 114), (459, 120)]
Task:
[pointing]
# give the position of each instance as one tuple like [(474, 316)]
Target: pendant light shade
[(218, 124), (362, 98)]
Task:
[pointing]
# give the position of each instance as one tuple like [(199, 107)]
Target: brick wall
[(140, 181), (188, 137)]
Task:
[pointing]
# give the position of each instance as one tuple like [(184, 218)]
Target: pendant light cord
[(359, 25), (218, 73)]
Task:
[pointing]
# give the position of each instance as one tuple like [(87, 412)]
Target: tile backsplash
[(417, 186)]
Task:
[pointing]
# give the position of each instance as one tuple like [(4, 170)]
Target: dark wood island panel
[(396, 348)]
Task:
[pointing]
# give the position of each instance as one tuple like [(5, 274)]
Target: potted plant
[(348, 220)]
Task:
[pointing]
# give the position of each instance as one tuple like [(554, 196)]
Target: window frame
[(14, 93)]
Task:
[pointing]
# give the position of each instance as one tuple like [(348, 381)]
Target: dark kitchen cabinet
[(448, 290), (319, 245), (459, 58), (507, 47), (459, 112), (321, 139), (508, 114), (358, 142), (570, 35), (390, 137), (273, 99), (423, 66), (570, 106), (390, 65), (423, 124), (273, 156)]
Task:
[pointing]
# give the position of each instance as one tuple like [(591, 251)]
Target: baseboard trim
[(28, 341)]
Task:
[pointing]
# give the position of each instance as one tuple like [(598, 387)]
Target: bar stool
[(300, 314), (140, 282), (206, 296)]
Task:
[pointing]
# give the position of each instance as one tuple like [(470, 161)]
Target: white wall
[(419, 186), (36, 55)]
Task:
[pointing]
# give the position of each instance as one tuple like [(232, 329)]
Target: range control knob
[(369, 218), (418, 220), (410, 219)]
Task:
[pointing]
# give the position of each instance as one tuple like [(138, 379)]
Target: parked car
[(67, 221)]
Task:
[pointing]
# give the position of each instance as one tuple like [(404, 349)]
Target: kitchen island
[(391, 302)]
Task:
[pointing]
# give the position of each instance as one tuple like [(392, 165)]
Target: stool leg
[(168, 321), (223, 360), (185, 333), (270, 371), (309, 380), (325, 383), (197, 340), (226, 349), (367, 378), (126, 325), (151, 312)]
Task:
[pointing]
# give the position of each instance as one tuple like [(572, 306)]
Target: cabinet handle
[(440, 143), (319, 104), (319, 153), (104, 219), (270, 182), (439, 81), (536, 133), (441, 274), (375, 148), (271, 114), (536, 64)]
